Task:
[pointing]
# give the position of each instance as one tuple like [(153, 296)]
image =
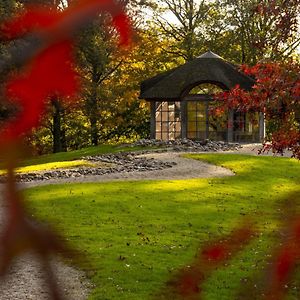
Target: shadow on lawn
[(186, 213), (273, 283)]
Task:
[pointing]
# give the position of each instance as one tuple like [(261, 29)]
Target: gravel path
[(25, 280), (185, 168)]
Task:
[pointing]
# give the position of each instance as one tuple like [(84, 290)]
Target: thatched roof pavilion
[(208, 68), (180, 100)]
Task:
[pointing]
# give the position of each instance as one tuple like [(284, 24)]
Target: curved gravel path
[(25, 280), (185, 168)]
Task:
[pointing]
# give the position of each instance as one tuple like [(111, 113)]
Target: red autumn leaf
[(276, 93), (51, 71)]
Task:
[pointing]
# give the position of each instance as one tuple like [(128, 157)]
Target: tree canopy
[(166, 34)]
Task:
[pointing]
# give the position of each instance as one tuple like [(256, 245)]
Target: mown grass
[(76, 154), (63, 159), (137, 233), (53, 166)]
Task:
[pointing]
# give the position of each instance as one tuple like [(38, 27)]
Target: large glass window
[(197, 120), (201, 123), (168, 120)]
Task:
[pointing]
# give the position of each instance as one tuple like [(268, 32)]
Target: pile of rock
[(129, 162), (186, 145), (121, 162)]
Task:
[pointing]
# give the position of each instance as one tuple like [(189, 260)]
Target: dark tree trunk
[(58, 134), (63, 140), (94, 129), (93, 115)]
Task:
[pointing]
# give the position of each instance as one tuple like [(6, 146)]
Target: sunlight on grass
[(174, 185), (137, 233), (76, 154), (53, 166)]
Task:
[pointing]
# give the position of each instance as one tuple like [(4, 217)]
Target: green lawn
[(54, 166), (70, 159), (137, 233), (90, 151)]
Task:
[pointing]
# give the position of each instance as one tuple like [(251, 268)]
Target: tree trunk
[(94, 129), (57, 132), (93, 115)]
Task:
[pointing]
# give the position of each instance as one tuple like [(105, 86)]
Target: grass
[(76, 154), (70, 159), (53, 166), (137, 233)]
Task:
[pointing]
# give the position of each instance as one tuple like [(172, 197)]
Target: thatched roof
[(207, 68)]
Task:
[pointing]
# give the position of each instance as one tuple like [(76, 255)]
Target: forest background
[(166, 34)]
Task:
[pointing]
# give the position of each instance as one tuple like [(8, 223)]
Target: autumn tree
[(98, 57), (277, 95), (74, 128), (262, 29), (183, 22), (112, 78), (243, 31), (7, 8), (57, 110), (128, 116)]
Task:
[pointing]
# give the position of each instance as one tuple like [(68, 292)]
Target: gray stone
[(129, 162)]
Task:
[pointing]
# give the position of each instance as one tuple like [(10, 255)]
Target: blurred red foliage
[(51, 71), (186, 282), (48, 71)]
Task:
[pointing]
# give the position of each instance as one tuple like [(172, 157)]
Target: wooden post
[(206, 120), (183, 106), (262, 131), (152, 119)]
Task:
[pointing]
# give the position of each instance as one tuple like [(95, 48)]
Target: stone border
[(125, 162)]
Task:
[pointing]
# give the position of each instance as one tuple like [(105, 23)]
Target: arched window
[(205, 89)]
